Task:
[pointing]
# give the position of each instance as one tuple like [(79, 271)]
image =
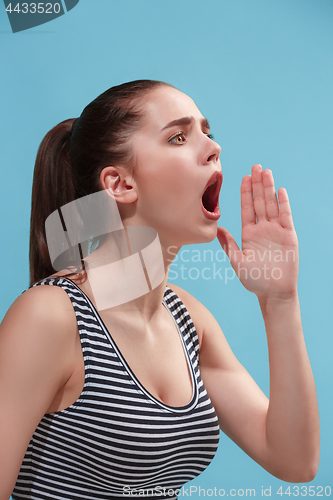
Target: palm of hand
[(267, 265)]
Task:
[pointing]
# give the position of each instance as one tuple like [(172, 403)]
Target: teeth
[(212, 183)]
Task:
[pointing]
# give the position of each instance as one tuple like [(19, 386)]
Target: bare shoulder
[(190, 302), (44, 304), (40, 324)]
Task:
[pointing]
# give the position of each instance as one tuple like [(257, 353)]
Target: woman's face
[(175, 162)]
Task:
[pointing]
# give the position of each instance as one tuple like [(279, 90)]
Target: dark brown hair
[(72, 155)]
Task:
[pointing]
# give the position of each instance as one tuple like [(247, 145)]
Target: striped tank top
[(117, 440)]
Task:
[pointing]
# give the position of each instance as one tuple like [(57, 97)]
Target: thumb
[(229, 245)]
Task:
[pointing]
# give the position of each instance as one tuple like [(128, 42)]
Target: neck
[(128, 273)]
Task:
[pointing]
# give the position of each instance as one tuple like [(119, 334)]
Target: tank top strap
[(183, 321)]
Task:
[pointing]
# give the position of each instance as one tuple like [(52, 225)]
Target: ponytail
[(52, 188)]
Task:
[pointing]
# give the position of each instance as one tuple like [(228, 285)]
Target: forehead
[(166, 104)]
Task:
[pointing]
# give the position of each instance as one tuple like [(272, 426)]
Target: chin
[(188, 235), (209, 235), (205, 235)]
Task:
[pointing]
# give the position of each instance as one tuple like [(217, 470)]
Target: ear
[(118, 182)]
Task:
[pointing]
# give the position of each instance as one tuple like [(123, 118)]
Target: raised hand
[(267, 265)]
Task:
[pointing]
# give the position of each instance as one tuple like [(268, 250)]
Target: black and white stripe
[(117, 434)]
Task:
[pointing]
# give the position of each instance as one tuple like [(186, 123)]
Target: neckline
[(177, 409)]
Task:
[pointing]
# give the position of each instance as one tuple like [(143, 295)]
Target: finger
[(285, 216), (229, 245), (247, 208), (272, 206), (258, 193)]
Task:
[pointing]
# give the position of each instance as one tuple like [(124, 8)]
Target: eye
[(179, 138), (210, 136)]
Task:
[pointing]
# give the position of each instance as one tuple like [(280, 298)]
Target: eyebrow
[(187, 120)]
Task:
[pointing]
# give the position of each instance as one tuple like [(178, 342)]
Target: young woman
[(107, 402)]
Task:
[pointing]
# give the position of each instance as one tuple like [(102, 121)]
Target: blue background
[(262, 72)]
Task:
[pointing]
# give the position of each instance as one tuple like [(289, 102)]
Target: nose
[(211, 153)]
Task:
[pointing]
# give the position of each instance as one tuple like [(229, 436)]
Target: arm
[(37, 341), (292, 428), (281, 434)]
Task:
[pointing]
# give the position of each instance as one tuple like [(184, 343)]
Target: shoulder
[(43, 299), (41, 311), (202, 318), (38, 342), (188, 300)]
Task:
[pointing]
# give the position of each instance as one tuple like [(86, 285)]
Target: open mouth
[(210, 197)]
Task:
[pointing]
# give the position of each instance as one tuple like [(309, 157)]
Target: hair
[(72, 155)]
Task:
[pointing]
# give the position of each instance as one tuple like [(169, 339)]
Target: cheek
[(163, 175), (168, 180), (172, 189)]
